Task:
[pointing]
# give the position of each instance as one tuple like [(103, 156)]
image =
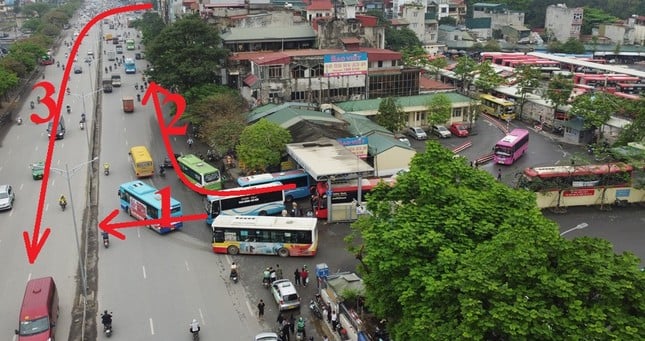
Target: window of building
[(298, 71), (380, 63), (317, 71), (275, 71), (457, 112), (298, 96)]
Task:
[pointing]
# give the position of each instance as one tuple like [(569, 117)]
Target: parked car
[(417, 133), (403, 139), (441, 131), (6, 197), (458, 129), (37, 170), (267, 336), (285, 294)]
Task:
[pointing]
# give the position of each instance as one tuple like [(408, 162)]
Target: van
[(141, 161), (39, 311), (60, 132)]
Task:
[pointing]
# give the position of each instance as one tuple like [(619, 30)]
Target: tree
[(594, 17), (398, 39), (262, 145), (528, 81), (492, 46), (439, 109), (635, 131), (13, 65), (8, 80), (36, 9), (595, 109), (488, 78), (390, 115), (559, 91), (448, 20), (32, 24), (443, 259), (465, 71), (150, 25), (437, 64), (186, 54), (415, 56)]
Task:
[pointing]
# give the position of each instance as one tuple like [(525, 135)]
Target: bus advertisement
[(497, 107), (342, 193), (141, 161), (199, 172), (142, 202), (282, 236), (129, 44), (511, 147), (567, 186), (268, 203), (298, 177), (130, 67)]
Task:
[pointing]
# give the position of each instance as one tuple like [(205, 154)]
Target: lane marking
[(152, 327), (143, 267)]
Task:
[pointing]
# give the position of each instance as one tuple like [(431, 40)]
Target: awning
[(250, 80)]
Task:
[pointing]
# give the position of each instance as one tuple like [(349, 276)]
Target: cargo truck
[(107, 85), (128, 104)]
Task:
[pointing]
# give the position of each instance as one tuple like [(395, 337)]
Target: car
[(90, 53), (6, 197), (78, 69), (441, 131), (285, 294), (417, 133), (458, 129), (267, 336), (403, 139), (37, 170)]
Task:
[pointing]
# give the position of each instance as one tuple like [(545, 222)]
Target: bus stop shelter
[(327, 160)]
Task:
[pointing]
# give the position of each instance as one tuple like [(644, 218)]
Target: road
[(21, 146)]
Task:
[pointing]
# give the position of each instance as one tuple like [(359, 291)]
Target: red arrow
[(35, 244), (154, 90), (112, 228)]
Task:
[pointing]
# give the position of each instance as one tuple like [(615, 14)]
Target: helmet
[(194, 321), (105, 312), (300, 319)]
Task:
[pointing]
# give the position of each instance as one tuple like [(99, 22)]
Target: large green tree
[(415, 56), (559, 91), (398, 39), (262, 145), (437, 64), (186, 54), (528, 81), (448, 253), (488, 79), (595, 109), (8, 80), (465, 71), (150, 25), (390, 115), (635, 131), (439, 109)]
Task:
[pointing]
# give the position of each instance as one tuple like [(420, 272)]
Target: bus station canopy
[(326, 158)]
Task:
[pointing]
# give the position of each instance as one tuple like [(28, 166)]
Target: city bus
[(511, 147), (141, 161), (268, 203), (564, 186), (298, 177), (199, 172), (282, 236), (129, 44), (142, 202), (497, 107), (342, 193), (633, 89), (130, 67)]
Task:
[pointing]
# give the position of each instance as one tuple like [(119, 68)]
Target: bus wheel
[(283, 252), (263, 213), (233, 250)]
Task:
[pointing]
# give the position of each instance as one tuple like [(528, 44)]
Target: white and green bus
[(200, 172)]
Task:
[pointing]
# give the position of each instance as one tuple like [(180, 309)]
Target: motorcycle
[(106, 168), (106, 240), (266, 281), (162, 170), (63, 205), (19, 120), (82, 125), (69, 109), (107, 329), (234, 276), (32, 105), (315, 310)]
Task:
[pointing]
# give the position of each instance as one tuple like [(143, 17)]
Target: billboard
[(345, 64), (357, 145)]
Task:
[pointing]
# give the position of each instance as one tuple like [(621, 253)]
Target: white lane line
[(152, 327), (29, 277), (201, 316), (21, 186), (139, 233), (58, 162), (53, 182), (46, 207), (144, 271), (187, 266), (248, 305)]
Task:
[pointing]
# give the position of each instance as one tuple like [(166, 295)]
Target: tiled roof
[(407, 101), (320, 5)]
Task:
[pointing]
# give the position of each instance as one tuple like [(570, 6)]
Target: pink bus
[(511, 147)]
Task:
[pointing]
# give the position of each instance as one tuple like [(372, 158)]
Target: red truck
[(128, 104)]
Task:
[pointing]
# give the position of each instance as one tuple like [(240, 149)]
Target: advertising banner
[(345, 64)]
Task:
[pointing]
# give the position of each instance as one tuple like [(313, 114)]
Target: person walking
[(499, 174), (280, 319), (285, 329), (292, 324), (328, 314), (334, 320), (190, 142), (261, 309), (296, 276), (304, 276), (278, 271)]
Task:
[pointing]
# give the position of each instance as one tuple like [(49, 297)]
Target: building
[(319, 9), (448, 8), (618, 33), (562, 23), (499, 15), (426, 27)]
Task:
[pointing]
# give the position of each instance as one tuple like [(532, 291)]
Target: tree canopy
[(262, 145), (465, 71), (594, 108), (398, 39), (528, 81), (488, 78), (439, 109), (559, 90), (390, 115), (448, 253)]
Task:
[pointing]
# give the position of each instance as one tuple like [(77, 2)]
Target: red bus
[(342, 193), (507, 61), (633, 89), (562, 177), (498, 59), (511, 147), (604, 80), (630, 97)]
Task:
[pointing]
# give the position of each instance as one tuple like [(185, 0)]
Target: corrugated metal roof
[(288, 117), (360, 125), (268, 33), (378, 143), (407, 101)]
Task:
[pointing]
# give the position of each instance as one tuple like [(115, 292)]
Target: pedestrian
[(280, 319), (325, 338), (304, 276), (190, 142), (261, 309), (296, 276), (292, 324), (499, 174), (334, 320), (285, 330), (295, 210), (328, 313), (278, 272)]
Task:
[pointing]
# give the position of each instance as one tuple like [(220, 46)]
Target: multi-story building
[(448, 8), (618, 33), (498, 13), (416, 15), (562, 23)]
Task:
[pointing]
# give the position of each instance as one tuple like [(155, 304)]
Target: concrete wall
[(391, 161)]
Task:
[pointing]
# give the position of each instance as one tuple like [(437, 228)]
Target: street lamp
[(67, 173), (82, 96), (577, 227)]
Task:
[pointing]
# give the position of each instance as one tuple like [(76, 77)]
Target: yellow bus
[(141, 161), (497, 107)]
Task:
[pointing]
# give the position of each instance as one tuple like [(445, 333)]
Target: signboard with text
[(579, 192), (357, 145), (345, 64)]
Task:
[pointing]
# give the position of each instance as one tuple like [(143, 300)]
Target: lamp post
[(82, 97), (67, 173), (577, 227)]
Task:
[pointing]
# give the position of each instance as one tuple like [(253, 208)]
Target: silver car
[(6, 197), (441, 131), (285, 294), (267, 336)]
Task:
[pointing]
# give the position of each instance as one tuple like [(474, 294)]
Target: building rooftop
[(320, 5), (283, 57), (378, 143), (359, 125), (372, 105), (238, 34)]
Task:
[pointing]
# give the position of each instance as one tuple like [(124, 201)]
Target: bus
[(297, 177), (199, 172), (633, 89), (342, 193), (142, 202), (129, 44), (497, 107), (141, 161), (130, 67), (599, 184), (511, 147), (282, 236), (268, 203)]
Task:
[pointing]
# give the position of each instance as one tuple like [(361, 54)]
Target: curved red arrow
[(35, 243)]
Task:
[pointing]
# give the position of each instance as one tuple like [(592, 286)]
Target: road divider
[(462, 147)]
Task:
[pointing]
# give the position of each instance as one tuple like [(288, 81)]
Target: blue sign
[(622, 192), (352, 141)]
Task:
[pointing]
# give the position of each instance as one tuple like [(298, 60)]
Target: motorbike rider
[(62, 201), (105, 236), (83, 118), (106, 167), (106, 319), (32, 104), (194, 327), (162, 170), (300, 328), (233, 270), (69, 109), (266, 276)]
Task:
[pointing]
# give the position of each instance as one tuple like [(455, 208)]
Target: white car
[(285, 294), (90, 53), (267, 336), (6, 197)]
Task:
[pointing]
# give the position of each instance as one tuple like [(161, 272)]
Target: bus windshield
[(249, 205), (143, 202), (511, 147), (282, 236), (200, 172)]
